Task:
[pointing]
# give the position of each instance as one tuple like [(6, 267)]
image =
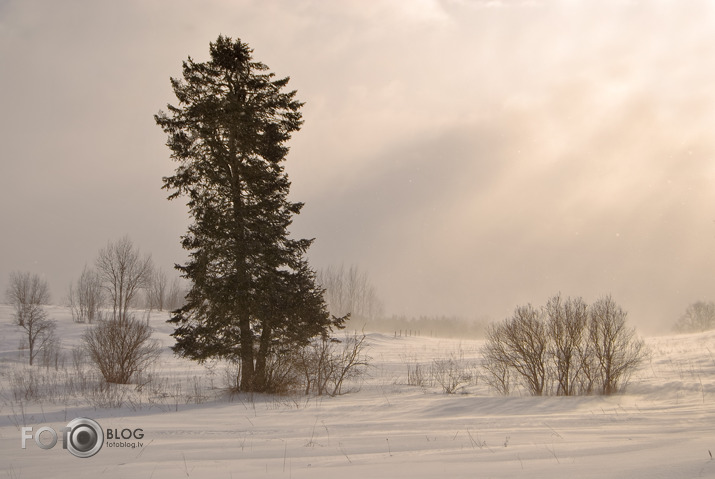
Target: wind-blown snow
[(663, 426)]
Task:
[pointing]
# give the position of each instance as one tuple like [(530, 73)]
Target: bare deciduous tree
[(86, 297), (124, 273), (157, 290), (39, 330), (698, 317), (121, 348), (175, 296), (28, 293), (25, 290)]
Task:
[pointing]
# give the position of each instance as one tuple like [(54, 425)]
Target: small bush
[(521, 344), (322, 367), (452, 374), (566, 348), (416, 375), (326, 364), (121, 348), (615, 348), (497, 370)]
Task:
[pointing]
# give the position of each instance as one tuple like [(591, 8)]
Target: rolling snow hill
[(663, 426)]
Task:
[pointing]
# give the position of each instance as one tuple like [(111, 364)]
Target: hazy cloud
[(471, 155)]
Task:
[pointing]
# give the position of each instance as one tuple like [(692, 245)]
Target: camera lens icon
[(85, 437)]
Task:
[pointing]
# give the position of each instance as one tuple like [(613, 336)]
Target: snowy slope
[(663, 426)]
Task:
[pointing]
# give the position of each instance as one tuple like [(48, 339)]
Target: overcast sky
[(469, 155)]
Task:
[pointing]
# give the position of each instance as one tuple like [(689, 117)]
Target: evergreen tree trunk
[(247, 368), (261, 373)]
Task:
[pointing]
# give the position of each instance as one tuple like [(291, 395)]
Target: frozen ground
[(664, 426)]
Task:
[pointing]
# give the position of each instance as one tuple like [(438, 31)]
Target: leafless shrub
[(121, 348), (24, 384), (108, 396), (416, 375), (31, 383), (566, 325), (616, 349), (453, 374), (282, 375), (566, 348), (350, 361), (495, 362), (198, 394), (326, 364), (522, 343)]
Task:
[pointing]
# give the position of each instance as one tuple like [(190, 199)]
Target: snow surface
[(663, 426)]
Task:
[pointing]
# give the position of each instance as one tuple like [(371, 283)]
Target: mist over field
[(513, 199)]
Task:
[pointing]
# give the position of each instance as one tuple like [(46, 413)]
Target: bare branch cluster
[(565, 348), (325, 364), (322, 367), (121, 348), (24, 290), (452, 374)]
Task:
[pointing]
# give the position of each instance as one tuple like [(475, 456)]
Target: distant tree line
[(349, 291)]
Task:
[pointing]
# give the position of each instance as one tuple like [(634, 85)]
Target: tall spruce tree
[(252, 292)]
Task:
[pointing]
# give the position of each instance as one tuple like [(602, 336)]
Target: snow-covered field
[(664, 426)]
